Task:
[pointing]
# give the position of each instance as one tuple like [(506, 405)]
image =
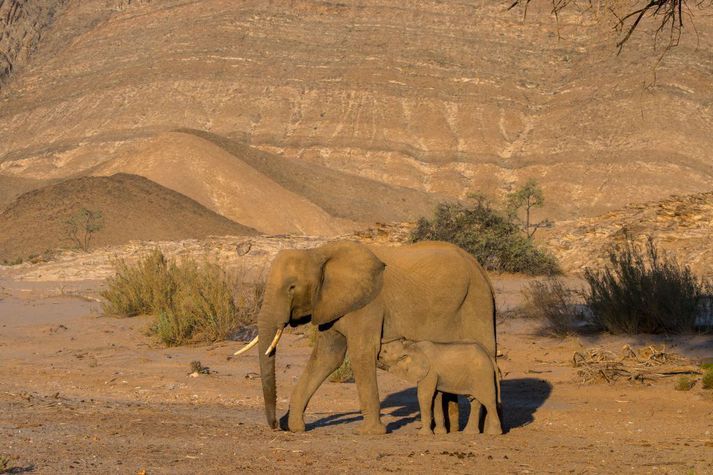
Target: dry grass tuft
[(344, 373), (708, 378), (191, 302), (684, 383), (552, 301), (648, 363)]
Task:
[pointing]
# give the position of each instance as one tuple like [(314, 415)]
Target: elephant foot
[(425, 431), (440, 430), (296, 425), (471, 429), (376, 428), (493, 429)]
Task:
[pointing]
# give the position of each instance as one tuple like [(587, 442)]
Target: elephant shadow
[(402, 404), (521, 398)]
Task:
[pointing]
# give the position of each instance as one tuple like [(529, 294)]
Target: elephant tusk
[(273, 345), (252, 343)]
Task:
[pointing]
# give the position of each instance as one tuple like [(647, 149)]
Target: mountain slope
[(133, 208), (440, 97)]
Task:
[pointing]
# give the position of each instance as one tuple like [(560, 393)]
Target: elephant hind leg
[(327, 355), (493, 425), (450, 404)]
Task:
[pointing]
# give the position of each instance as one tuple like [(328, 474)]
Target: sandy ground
[(83, 393)]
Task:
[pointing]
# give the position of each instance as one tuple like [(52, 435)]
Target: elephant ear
[(352, 276)]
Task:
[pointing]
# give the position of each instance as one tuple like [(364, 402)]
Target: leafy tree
[(526, 198), (81, 226)]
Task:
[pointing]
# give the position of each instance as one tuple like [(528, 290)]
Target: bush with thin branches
[(551, 301), (642, 291)]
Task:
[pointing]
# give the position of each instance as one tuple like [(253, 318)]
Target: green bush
[(190, 301), (552, 301), (495, 240), (643, 292)]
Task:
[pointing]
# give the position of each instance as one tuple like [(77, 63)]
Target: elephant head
[(321, 285), (402, 358)]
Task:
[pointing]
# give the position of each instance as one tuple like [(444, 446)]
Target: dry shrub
[(143, 288), (191, 302), (344, 373), (644, 292), (552, 301), (684, 383), (647, 363), (708, 377)]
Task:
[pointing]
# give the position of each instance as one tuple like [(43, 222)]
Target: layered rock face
[(435, 97), (681, 226), (22, 24)]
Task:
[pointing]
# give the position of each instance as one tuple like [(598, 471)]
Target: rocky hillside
[(439, 97), (133, 208), (682, 226), (22, 25)]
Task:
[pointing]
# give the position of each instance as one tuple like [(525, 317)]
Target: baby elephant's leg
[(426, 391), (473, 424), (438, 418)]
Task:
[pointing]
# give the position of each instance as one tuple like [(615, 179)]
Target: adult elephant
[(359, 294)]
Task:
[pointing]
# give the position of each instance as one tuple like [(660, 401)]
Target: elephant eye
[(291, 288)]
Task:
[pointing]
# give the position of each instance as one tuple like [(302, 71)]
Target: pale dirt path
[(84, 394)]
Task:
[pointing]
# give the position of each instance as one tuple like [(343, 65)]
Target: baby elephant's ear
[(417, 366)]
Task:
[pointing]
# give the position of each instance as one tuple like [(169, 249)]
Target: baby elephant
[(457, 368)]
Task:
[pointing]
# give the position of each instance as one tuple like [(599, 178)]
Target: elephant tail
[(498, 375)]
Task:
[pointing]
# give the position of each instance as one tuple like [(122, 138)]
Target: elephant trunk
[(270, 321), (267, 372)]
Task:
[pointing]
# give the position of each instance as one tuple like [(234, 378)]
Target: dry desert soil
[(85, 393), (206, 127)]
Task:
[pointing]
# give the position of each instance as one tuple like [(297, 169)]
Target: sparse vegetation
[(552, 301), (81, 227), (524, 200), (344, 373), (13, 262), (707, 380), (197, 367), (4, 463), (190, 301), (644, 292), (493, 238), (684, 383)]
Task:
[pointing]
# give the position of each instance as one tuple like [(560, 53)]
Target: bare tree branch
[(668, 13)]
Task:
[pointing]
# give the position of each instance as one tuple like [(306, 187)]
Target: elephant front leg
[(364, 368), (438, 419), (327, 355), (426, 392)]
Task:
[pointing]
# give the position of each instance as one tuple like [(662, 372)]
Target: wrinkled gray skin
[(358, 294), (457, 368)]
